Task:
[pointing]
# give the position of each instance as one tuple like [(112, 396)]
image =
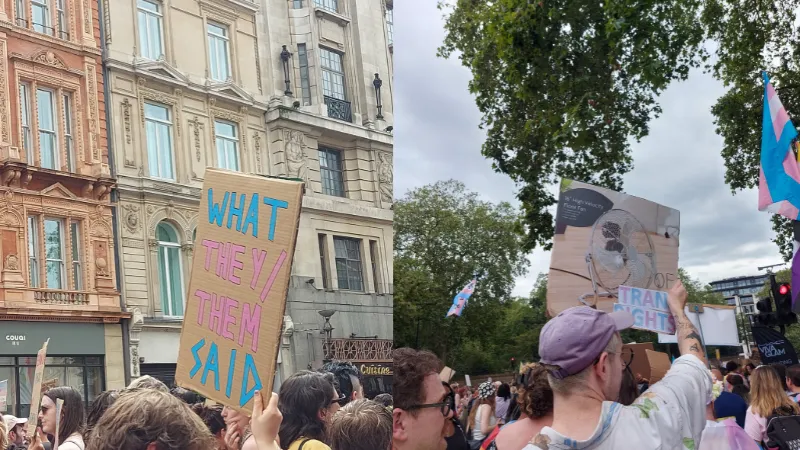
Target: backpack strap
[(303, 443)]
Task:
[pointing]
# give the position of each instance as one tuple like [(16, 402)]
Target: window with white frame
[(349, 270), (330, 171), (305, 81), (75, 254), (40, 16), (170, 272), (22, 13), (332, 74), (227, 145), (62, 26), (158, 128), (390, 23), (328, 5), (219, 49), (48, 142), (150, 29), (54, 253), (25, 121), (69, 144), (297, 4), (33, 251)]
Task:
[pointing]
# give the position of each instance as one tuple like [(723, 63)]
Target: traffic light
[(765, 315), (783, 304)]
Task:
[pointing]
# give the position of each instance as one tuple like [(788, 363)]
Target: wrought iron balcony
[(339, 109), (357, 349)]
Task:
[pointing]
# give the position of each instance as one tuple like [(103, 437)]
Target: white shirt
[(670, 415), (73, 442)]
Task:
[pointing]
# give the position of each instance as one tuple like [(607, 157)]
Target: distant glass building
[(745, 287)]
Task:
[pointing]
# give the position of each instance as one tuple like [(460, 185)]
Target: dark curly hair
[(211, 416), (410, 369), (188, 397), (348, 378), (99, 406), (535, 397)]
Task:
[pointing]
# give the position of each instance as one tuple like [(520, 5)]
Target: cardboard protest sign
[(447, 374), (639, 364), (237, 294), (467, 380), (605, 239), (659, 365), (716, 325), (3, 395), (36, 392)]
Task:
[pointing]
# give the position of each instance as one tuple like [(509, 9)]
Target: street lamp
[(285, 56), (327, 329), (377, 83)]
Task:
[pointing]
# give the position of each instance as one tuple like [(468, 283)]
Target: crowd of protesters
[(582, 395), (314, 410)]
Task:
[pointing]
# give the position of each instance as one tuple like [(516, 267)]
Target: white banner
[(717, 326)]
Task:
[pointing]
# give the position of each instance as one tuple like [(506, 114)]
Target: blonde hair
[(476, 406), (577, 382), (767, 394), (148, 382), (3, 435), (361, 424)]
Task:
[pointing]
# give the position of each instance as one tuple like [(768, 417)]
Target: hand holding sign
[(677, 297), (266, 422)]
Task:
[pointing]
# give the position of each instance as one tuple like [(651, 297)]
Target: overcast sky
[(678, 164)]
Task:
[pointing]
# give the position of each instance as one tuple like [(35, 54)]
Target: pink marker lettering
[(215, 317), (204, 297), (223, 261), (228, 318), (251, 323), (275, 269), (210, 246), (258, 262), (234, 263)]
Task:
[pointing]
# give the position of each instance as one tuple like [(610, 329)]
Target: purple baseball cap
[(573, 339)]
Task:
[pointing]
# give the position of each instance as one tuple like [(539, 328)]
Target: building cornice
[(279, 115), (346, 208), (53, 42), (177, 79), (50, 315)]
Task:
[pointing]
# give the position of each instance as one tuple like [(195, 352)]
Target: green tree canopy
[(565, 86)]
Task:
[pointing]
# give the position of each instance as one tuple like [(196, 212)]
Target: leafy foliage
[(564, 84)]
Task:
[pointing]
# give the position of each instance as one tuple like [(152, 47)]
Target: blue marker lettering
[(215, 213), (249, 367), (275, 203), (197, 363), (252, 216), (237, 212), (212, 364), (231, 367)]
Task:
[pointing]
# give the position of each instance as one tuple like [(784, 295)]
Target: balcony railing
[(339, 109), (357, 349), (60, 297)]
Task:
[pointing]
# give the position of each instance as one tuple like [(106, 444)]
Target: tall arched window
[(170, 272)]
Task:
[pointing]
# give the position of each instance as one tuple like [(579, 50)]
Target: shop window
[(348, 263), (86, 374), (170, 271)]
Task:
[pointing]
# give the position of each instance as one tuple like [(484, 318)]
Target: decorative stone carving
[(296, 155), (131, 217), (12, 262), (150, 209), (385, 177), (126, 117), (4, 113), (49, 58), (196, 127), (257, 148), (92, 108), (107, 19), (258, 66), (102, 267)]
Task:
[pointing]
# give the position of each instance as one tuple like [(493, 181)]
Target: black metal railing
[(22, 22), (339, 109)]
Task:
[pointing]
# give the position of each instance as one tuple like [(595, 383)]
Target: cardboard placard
[(447, 374), (659, 365), (36, 392), (629, 241), (639, 365), (467, 380), (246, 238)]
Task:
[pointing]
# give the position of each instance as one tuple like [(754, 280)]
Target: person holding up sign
[(70, 424)]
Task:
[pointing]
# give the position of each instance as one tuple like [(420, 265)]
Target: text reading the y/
[(222, 313)]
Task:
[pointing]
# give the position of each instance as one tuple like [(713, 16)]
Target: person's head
[(348, 380), (308, 400), (629, 390), (384, 399), (486, 396), (793, 376), (781, 369), (749, 368), (187, 396), (99, 406), (149, 419), (582, 349), (734, 380), (361, 425), (212, 417), (536, 397), (148, 382), (72, 412), (233, 416), (767, 393), (732, 367), (421, 410), (16, 429), (504, 391)]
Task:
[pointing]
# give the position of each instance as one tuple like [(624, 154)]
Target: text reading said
[(212, 366)]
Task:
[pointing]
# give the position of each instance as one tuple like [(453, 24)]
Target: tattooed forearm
[(689, 340)]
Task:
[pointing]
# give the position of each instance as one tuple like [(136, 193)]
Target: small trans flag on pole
[(460, 300)]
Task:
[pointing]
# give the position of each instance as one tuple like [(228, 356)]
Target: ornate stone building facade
[(266, 86), (58, 277)]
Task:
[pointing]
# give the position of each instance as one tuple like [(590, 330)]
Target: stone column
[(137, 322)]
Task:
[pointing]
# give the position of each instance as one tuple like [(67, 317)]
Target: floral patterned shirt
[(670, 415)]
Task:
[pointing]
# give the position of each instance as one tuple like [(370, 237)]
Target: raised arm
[(689, 341)]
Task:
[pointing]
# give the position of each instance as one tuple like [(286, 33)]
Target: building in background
[(298, 89), (58, 277), (329, 66), (745, 287)]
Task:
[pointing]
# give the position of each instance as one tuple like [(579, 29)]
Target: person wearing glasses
[(422, 410), (308, 400), (582, 350)]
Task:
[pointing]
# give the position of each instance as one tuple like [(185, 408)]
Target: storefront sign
[(374, 369), (237, 295), (25, 338)]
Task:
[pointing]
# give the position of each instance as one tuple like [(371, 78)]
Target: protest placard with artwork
[(605, 239), (240, 277)]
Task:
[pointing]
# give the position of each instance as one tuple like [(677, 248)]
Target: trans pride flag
[(460, 300), (779, 177)]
